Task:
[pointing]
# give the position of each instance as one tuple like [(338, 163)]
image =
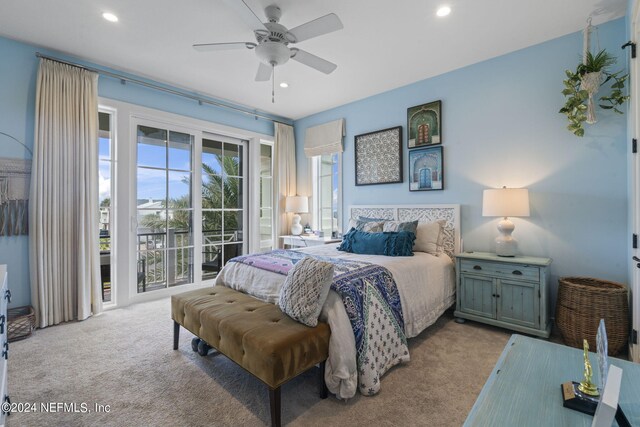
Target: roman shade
[(324, 139)]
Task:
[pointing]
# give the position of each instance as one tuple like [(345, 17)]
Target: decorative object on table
[(573, 398), (582, 396), (297, 205), (603, 359), (581, 86), (378, 157), (586, 386), (582, 302), (505, 202), (21, 321), (608, 404), (425, 169), (14, 196), (424, 124)]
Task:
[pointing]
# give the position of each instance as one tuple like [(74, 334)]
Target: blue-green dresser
[(511, 292)]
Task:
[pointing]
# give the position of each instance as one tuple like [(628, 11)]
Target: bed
[(425, 283)]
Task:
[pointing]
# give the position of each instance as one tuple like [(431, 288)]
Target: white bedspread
[(426, 284)]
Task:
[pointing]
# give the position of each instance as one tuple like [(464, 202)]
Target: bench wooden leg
[(274, 401), (176, 334), (324, 392)]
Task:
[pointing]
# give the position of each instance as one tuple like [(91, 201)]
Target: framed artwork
[(424, 125), (425, 169), (379, 157)]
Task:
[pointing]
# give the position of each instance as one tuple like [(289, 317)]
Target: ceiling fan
[(273, 39)]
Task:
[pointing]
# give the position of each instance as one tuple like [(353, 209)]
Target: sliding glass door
[(223, 201), (164, 207)]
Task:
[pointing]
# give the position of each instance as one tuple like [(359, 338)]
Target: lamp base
[(506, 245), (296, 228)]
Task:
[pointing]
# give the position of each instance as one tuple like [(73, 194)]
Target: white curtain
[(284, 176), (63, 209)]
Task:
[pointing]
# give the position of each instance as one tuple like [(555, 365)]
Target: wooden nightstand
[(511, 292), (304, 241)]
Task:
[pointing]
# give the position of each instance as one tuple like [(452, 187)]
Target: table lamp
[(505, 202), (297, 205)]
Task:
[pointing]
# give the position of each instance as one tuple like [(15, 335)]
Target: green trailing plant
[(577, 96)]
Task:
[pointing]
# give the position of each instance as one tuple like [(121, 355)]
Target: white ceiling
[(384, 44)]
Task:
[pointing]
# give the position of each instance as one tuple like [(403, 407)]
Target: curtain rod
[(123, 79)]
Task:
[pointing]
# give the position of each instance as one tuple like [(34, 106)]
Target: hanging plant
[(581, 86), (584, 83)]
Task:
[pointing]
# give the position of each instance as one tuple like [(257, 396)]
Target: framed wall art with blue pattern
[(426, 169)]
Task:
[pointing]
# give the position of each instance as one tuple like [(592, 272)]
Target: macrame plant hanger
[(590, 81)]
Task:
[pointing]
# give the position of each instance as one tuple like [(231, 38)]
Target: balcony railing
[(165, 259)]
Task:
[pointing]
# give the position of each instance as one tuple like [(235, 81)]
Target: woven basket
[(582, 302), (21, 322)]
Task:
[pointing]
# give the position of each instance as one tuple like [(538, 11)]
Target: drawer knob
[(517, 272), (2, 319), (495, 295), (477, 267)]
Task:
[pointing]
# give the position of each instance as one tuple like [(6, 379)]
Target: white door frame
[(634, 188), (125, 192)]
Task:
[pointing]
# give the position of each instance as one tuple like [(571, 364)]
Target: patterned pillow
[(305, 290), (368, 226), (400, 226)]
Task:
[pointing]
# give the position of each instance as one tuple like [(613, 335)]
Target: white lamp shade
[(505, 202), (297, 204)]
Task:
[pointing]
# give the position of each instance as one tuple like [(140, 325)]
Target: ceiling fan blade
[(264, 72), (313, 61), (207, 47), (323, 25), (247, 15)]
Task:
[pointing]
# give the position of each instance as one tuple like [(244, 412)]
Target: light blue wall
[(501, 127), (18, 69)]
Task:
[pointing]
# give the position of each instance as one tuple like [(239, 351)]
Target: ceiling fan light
[(443, 11), (273, 53)]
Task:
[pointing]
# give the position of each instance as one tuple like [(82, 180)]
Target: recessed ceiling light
[(443, 11), (110, 17), (284, 84)]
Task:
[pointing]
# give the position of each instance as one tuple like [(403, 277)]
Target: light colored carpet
[(124, 358)]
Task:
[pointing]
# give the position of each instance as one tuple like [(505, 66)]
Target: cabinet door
[(477, 295), (519, 303)]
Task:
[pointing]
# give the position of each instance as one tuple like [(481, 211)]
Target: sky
[(152, 153)]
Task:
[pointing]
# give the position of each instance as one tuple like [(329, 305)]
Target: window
[(164, 204), (105, 190), (266, 197), (223, 202), (327, 193)]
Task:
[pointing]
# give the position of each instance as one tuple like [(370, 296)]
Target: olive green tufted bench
[(254, 334)]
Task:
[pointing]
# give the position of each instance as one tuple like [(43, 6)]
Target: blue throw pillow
[(388, 243)]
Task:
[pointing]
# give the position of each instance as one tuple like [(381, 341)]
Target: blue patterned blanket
[(372, 303)]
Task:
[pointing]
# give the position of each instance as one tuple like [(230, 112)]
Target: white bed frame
[(422, 213)]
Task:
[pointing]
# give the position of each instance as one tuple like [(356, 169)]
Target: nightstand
[(510, 292), (304, 241)]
